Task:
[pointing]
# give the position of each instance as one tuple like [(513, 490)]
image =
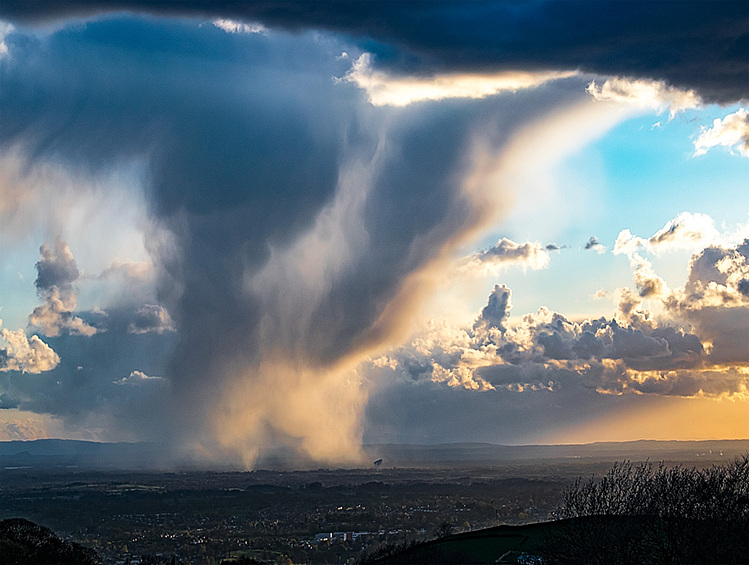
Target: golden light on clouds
[(386, 90)]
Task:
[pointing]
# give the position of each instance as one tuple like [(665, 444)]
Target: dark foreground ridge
[(25, 543), (634, 514), (588, 539)]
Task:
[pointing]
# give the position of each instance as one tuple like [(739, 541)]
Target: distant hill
[(65, 453), (62, 453), (486, 453)]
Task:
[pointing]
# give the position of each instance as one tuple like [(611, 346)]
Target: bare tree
[(648, 514)]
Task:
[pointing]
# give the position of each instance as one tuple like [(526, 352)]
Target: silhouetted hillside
[(25, 543)]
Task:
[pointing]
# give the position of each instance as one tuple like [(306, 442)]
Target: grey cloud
[(56, 266), (710, 265), (57, 270), (743, 287), (715, 302), (6, 402), (588, 345), (632, 344), (497, 310), (151, 318), (594, 244), (548, 352), (409, 412), (695, 45), (81, 390), (243, 172)]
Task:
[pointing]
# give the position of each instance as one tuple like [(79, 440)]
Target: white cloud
[(645, 94), (5, 29), (731, 131), (506, 253), (139, 378), (690, 231), (386, 90), (29, 355), (231, 26)]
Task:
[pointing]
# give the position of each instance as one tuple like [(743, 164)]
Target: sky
[(245, 229)]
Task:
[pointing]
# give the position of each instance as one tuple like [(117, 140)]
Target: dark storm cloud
[(242, 149), (690, 44), (248, 145)]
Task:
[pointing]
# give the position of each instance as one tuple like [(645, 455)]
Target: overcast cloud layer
[(268, 210)]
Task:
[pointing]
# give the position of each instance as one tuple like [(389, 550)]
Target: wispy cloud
[(231, 26)]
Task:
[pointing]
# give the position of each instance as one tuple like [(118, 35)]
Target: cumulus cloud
[(696, 344), (497, 310), (692, 231), (56, 271), (139, 378), (547, 352), (504, 254), (28, 355), (384, 89), (595, 245), (731, 131), (151, 318), (714, 301), (646, 94)]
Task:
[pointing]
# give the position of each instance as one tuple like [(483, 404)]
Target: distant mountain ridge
[(483, 453), (57, 453), (79, 453)]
